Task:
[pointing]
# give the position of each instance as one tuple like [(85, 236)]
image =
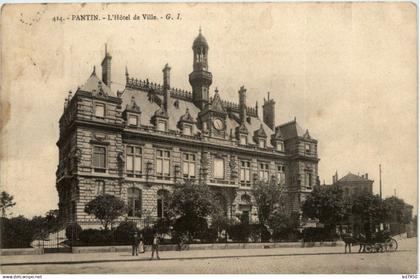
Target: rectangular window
[(307, 147), (219, 168), (188, 165), (134, 161), (99, 158), (308, 179), (243, 140), (263, 172), (100, 188), (100, 110), (163, 164), (245, 174), (133, 120), (262, 143), (161, 126), (280, 146), (281, 175), (187, 130)]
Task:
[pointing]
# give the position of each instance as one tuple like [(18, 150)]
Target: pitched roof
[(187, 117), (96, 86), (350, 177), (260, 132)]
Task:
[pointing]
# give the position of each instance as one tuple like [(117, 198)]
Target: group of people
[(138, 245)]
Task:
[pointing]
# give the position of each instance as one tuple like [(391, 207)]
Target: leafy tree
[(371, 210), (16, 232), (106, 208), (268, 198), (399, 210), (285, 227), (189, 205), (6, 201), (326, 204)]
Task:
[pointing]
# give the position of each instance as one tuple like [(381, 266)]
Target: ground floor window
[(134, 202)]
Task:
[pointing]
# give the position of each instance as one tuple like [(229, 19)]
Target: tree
[(370, 210), (6, 201), (285, 227), (189, 206), (268, 198), (326, 204), (106, 208)]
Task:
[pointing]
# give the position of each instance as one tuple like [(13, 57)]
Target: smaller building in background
[(353, 184)]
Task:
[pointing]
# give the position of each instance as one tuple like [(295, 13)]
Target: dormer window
[(280, 146), (133, 120), (161, 126), (187, 130), (243, 140), (307, 147), (261, 143), (100, 110)]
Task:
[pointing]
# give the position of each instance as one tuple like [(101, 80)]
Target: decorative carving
[(233, 167)]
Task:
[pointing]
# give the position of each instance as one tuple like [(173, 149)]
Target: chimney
[(166, 86), (366, 176), (106, 68), (166, 77), (269, 112), (242, 104)]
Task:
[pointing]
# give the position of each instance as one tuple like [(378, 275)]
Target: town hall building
[(139, 143)]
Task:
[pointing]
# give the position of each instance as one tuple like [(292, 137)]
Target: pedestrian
[(155, 246), (141, 245), (135, 244)]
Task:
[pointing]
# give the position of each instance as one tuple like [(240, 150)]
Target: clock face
[(218, 124)]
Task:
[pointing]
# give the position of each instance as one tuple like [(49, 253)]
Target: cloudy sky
[(347, 72)]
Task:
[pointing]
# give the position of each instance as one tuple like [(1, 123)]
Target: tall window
[(162, 203), (263, 172), (281, 175), (134, 202), (308, 179), (219, 168), (99, 158), (188, 165), (243, 140), (245, 173), (100, 110), (307, 147), (100, 187), (133, 120), (134, 161), (163, 164), (262, 143)]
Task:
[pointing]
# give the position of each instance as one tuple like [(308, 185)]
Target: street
[(240, 261)]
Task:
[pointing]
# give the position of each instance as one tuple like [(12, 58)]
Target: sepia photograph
[(209, 138)]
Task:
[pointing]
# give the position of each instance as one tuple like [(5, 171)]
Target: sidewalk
[(63, 258)]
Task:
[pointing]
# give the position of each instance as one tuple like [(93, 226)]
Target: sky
[(346, 71)]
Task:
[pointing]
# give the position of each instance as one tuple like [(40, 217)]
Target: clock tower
[(200, 79)]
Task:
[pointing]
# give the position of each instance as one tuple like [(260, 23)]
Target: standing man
[(135, 244), (155, 246)]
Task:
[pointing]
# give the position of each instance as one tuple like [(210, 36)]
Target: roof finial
[(216, 90), (295, 119), (268, 96), (106, 49), (126, 71), (199, 30)]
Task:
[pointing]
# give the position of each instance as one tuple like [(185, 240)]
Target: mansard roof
[(291, 130), (180, 100), (96, 86)]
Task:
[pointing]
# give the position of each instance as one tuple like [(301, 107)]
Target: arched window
[(162, 203), (134, 202)]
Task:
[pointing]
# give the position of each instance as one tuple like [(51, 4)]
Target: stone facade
[(137, 144)]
